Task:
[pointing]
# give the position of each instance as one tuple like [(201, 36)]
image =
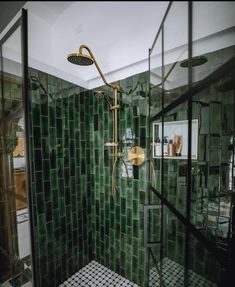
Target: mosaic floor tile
[(173, 276), (97, 275)]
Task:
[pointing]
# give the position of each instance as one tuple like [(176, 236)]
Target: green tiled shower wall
[(117, 226), (61, 178), (75, 217)]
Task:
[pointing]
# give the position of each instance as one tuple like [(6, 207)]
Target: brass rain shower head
[(80, 59)]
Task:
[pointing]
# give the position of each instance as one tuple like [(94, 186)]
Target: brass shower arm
[(98, 68)]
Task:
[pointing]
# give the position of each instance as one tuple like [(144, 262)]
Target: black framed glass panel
[(15, 237), (198, 186), (175, 55)]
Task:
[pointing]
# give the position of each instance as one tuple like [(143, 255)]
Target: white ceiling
[(119, 33), (48, 10)]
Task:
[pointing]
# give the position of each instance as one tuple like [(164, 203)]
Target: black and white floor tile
[(97, 275), (172, 275)]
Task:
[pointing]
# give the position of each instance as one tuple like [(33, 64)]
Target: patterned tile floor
[(97, 275), (173, 276)]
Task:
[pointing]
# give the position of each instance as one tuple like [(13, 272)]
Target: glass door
[(189, 219), (15, 237)]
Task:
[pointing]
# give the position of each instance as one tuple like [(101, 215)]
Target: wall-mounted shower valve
[(136, 155)]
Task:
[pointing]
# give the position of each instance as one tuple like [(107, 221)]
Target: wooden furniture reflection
[(20, 176), (20, 188), (19, 149)]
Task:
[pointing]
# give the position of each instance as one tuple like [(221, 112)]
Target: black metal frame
[(147, 208), (189, 161), (220, 255), (197, 88), (25, 88), (22, 22)]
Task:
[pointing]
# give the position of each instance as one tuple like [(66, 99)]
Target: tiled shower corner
[(75, 218)]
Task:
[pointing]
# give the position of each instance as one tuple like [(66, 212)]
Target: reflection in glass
[(213, 175), (169, 270), (15, 266), (155, 84), (175, 52)]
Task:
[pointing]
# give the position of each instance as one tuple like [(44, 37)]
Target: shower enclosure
[(189, 221), (172, 223)]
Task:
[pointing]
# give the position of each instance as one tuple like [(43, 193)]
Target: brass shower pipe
[(137, 154), (97, 66), (114, 108)]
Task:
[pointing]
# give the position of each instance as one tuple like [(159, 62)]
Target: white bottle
[(165, 146), (157, 148)]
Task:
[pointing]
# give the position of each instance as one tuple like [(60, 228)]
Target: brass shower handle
[(136, 155)]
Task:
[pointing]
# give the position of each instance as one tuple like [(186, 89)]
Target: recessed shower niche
[(174, 139)]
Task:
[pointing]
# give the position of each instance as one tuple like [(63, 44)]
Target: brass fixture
[(82, 59), (136, 155), (111, 144)]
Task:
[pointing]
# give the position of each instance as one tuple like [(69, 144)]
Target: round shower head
[(80, 59), (196, 61)]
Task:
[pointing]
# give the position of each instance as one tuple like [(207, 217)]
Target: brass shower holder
[(115, 107), (112, 144)]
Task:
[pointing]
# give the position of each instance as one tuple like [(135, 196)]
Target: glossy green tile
[(76, 179)]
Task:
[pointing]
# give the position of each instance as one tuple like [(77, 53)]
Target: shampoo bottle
[(171, 148)]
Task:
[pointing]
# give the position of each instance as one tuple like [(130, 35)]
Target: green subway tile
[(44, 126), (36, 114), (135, 209), (52, 133), (77, 181), (52, 122), (53, 178)]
